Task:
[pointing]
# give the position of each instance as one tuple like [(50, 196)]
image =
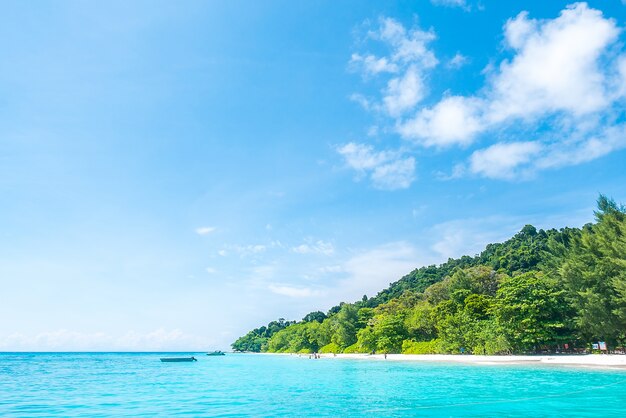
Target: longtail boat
[(177, 359)]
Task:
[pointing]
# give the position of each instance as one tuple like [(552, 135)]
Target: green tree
[(317, 316), (594, 273), (531, 311)]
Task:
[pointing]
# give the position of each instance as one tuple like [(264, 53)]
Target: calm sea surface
[(138, 384)]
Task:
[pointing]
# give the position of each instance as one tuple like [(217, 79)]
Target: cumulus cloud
[(556, 66), (501, 160), (455, 120), (403, 93), (388, 170)]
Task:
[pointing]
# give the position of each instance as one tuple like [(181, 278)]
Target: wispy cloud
[(243, 250), (458, 61), (452, 3), (408, 59), (317, 247), (370, 270), (293, 292), (67, 340), (205, 230), (469, 236), (388, 170), (502, 160)]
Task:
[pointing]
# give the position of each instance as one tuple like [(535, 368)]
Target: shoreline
[(599, 361)]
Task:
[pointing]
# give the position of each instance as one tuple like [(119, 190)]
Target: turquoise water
[(138, 384)]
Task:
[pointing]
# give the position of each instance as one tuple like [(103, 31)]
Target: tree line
[(540, 290)]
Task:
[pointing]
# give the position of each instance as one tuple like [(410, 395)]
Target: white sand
[(588, 360)]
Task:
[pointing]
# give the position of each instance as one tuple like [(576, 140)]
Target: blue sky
[(173, 175)]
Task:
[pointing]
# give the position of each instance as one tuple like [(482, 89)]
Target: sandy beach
[(613, 361)]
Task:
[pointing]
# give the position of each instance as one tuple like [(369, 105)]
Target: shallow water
[(138, 384)]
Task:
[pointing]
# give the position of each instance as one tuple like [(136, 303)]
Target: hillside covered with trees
[(540, 290)]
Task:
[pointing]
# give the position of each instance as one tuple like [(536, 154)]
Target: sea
[(249, 385)]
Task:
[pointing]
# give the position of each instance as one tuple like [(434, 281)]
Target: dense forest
[(555, 290)]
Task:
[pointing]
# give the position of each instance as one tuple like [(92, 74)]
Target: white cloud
[(388, 170), (501, 160), (211, 270), (620, 78), (243, 250), (458, 61), (453, 121), (451, 3), (409, 57), (318, 247), (398, 174), (518, 30), (363, 157), (293, 292), (587, 148), (556, 66), (373, 65), (517, 160), (361, 101), (403, 93), (331, 269), (205, 230)]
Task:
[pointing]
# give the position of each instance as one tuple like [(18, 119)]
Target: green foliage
[(314, 316), (353, 349), (419, 322), (531, 311), (594, 274), (344, 326), (536, 291), (331, 348), (421, 347), (302, 337), (257, 340)]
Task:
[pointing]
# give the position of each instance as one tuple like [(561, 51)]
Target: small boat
[(216, 353), (177, 359)]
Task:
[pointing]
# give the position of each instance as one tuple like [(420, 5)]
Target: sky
[(174, 174)]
